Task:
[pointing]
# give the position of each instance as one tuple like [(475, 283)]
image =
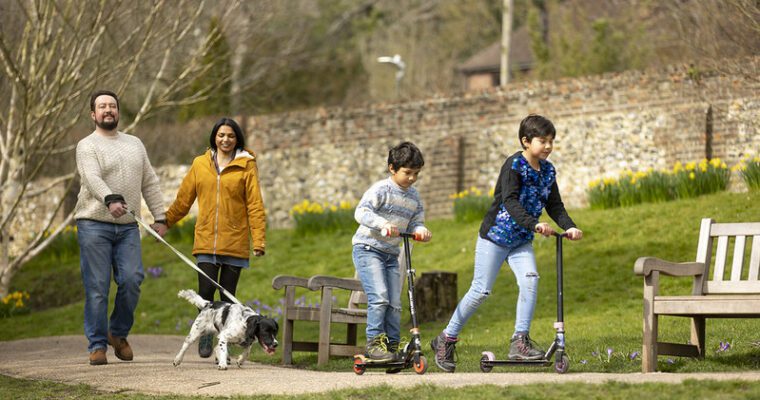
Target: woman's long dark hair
[(235, 128)]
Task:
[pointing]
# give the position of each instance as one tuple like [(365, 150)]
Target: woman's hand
[(258, 252)]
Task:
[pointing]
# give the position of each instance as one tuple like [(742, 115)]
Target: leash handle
[(183, 257)]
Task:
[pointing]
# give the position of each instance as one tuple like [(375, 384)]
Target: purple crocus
[(633, 355)]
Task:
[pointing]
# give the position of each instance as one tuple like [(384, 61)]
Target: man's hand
[(160, 228), (117, 209), (258, 252), (545, 229), (574, 234)]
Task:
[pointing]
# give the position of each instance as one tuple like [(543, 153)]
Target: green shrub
[(313, 217), (13, 304), (750, 172), (683, 181), (695, 179), (471, 204)]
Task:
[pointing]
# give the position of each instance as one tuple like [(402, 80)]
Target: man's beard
[(109, 126)]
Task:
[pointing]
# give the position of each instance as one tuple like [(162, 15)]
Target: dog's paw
[(240, 362), (222, 367), (176, 363)]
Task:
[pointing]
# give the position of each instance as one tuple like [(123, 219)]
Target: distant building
[(482, 70)]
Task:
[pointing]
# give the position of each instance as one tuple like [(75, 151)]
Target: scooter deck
[(535, 363), (367, 362)]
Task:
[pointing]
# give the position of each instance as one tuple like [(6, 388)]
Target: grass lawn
[(603, 299)]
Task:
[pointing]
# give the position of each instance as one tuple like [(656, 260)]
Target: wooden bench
[(718, 290), (328, 313)]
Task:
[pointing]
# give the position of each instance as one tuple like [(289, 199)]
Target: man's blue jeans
[(489, 257), (104, 249), (381, 279)]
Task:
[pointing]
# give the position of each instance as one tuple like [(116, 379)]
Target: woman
[(225, 182)]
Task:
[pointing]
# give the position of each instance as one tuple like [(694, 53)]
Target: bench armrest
[(646, 265), (280, 281), (317, 282)]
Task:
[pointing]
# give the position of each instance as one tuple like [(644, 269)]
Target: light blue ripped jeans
[(489, 257), (381, 279)]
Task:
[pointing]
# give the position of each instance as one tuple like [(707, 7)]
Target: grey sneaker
[(377, 349), (521, 347), (444, 350), (205, 346)]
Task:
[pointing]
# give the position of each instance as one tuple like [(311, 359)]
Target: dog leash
[(183, 257)]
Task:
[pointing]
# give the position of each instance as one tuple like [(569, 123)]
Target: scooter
[(411, 355), (561, 360)]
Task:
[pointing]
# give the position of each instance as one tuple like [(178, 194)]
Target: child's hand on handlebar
[(574, 234), (389, 230), (544, 228), (422, 234)]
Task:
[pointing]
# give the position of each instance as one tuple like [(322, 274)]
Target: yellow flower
[(678, 167), (594, 183), (19, 304), (690, 166), (692, 176), (715, 162)]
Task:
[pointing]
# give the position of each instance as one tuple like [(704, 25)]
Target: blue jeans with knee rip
[(489, 257), (381, 279), (109, 249)]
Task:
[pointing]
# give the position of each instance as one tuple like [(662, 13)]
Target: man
[(115, 173)]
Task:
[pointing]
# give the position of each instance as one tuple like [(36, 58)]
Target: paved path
[(64, 359)]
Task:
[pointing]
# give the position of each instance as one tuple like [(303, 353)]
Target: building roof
[(489, 59)]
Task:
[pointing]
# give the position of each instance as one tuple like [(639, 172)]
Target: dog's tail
[(193, 298)]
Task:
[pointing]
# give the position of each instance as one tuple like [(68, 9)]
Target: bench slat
[(728, 287), (735, 228), (754, 259), (720, 258), (738, 262), (708, 305)]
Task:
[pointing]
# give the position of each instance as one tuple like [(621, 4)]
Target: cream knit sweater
[(115, 165)]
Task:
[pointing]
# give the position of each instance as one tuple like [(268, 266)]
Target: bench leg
[(325, 313), (287, 327), (649, 342), (698, 334)]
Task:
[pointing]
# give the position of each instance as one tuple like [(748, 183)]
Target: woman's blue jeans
[(381, 279), (107, 249), (489, 258)]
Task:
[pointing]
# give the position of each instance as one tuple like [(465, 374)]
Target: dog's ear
[(251, 330)]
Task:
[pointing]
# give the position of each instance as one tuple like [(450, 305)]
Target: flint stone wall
[(605, 125)]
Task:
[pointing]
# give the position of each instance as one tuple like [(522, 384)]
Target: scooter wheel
[(562, 365), (421, 366), (359, 366), (483, 367)]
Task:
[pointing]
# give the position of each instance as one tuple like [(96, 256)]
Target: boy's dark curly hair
[(535, 125), (405, 155)]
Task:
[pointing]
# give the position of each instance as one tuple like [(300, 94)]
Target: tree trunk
[(435, 295)]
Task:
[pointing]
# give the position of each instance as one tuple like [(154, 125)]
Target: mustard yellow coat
[(230, 208)]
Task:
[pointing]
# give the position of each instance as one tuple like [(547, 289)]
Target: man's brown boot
[(98, 357), (120, 347)]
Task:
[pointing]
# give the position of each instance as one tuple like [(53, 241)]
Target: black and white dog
[(233, 323)]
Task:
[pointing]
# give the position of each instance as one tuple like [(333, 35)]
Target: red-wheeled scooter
[(411, 355), (561, 360)]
